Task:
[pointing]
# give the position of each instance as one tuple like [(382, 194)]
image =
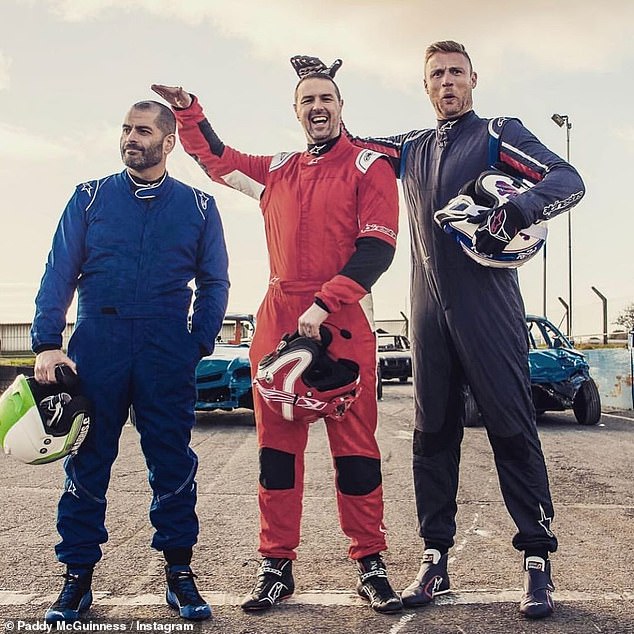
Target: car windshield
[(542, 334)]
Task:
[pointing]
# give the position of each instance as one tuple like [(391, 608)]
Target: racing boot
[(74, 599), (274, 584), (182, 594), (537, 601), (432, 580), (373, 585)]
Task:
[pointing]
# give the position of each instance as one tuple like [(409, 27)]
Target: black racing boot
[(74, 599), (537, 601), (373, 585), (274, 584), (432, 580), (182, 594)]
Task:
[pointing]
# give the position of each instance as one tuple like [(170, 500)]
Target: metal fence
[(393, 326), (15, 339)]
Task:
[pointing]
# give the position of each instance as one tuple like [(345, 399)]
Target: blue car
[(560, 376), (223, 379)]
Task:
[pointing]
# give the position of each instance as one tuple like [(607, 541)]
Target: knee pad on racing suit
[(277, 469), (427, 444), (358, 475), (509, 448)]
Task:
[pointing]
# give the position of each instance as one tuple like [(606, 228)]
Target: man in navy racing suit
[(468, 321), (130, 244)]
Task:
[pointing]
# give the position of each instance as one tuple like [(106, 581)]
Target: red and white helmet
[(301, 382)]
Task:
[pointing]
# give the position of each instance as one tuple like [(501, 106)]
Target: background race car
[(395, 358), (560, 377), (223, 379)]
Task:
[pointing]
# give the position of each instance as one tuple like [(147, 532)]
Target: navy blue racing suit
[(131, 252), (468, 321)]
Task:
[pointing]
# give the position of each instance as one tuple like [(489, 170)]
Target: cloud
[(626, 135), (80, 10), (5, 65), (387, 39), (17, 302), (17, 143)]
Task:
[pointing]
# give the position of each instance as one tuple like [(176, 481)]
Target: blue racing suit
[(468, 321), (131, 252)]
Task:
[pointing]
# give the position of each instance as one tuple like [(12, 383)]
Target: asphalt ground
[(591, 472)]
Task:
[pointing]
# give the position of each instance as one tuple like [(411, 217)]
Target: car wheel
[(587, 404), (247, 400), (471, 415)]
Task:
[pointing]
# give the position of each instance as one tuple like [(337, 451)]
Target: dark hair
[(447, 46), (165, 119), (318, 76)]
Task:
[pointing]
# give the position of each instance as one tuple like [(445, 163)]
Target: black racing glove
[(497, 228), (306, 65)]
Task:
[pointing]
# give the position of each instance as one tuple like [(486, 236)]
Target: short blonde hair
[(447, 46)]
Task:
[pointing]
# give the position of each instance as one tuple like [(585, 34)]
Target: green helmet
[(43, 423)]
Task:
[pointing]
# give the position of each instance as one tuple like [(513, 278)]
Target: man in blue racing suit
[(468, 321), (130, 244)]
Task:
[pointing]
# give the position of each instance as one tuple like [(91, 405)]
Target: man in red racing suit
[(331, 218)]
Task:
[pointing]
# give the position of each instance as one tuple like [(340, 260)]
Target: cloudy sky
[(69, 69)]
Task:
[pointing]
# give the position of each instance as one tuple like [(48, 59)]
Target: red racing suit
[(315, 210)]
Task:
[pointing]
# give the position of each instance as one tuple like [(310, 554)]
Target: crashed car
[(395, 358), (560, 377), (223, 379)]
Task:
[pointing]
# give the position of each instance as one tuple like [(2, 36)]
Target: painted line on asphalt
[(617, 416), (317, 597), (402, 622)]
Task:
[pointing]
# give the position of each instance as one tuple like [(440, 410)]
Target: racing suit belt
[(134, 310), (295, 287)]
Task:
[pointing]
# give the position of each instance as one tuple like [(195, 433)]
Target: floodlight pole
[(544, 268), (561, 120)]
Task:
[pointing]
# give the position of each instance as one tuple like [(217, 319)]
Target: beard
[(146, 157)]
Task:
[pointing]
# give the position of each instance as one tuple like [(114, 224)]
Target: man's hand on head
[(174, 95), (306, 65)]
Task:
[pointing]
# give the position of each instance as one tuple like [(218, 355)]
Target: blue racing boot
[(74, 599), (182, 594)]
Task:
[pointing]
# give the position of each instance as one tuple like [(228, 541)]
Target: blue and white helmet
[(490, 190)]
